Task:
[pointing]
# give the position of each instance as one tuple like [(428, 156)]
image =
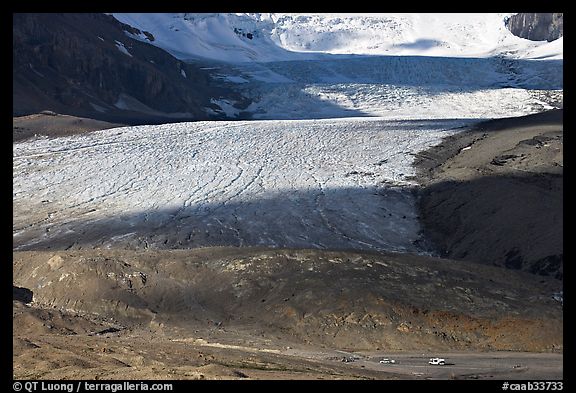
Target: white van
[(437, 361)]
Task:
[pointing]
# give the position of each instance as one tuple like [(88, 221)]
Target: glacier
[(341, 104), (332, 183), (296, 66)]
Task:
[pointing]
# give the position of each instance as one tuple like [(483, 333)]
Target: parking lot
[(463, 365)]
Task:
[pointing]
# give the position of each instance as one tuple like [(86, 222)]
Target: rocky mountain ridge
[(86, 65)]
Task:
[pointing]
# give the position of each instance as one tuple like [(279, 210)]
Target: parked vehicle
[(437, 361)]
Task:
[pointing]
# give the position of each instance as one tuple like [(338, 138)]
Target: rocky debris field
[(260, 301)]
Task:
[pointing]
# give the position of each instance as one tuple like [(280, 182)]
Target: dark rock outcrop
[(88, 65), (537, 26), (20, 294)]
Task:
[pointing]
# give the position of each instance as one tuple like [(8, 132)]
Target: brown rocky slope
[(336, 299)]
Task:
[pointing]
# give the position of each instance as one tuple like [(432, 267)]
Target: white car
[(387, 361), (437, 361)]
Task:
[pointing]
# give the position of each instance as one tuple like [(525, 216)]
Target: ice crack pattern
[(273, 183)]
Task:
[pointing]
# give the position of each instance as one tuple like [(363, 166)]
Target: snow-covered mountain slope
[(280, 37), (294, 66)]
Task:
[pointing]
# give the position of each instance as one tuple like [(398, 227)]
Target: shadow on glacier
[(422, 43), (493, 218), (373, 219), (312, 89), (434, 73)]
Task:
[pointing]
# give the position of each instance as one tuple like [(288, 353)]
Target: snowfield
[(306, 183), (263, 37)]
